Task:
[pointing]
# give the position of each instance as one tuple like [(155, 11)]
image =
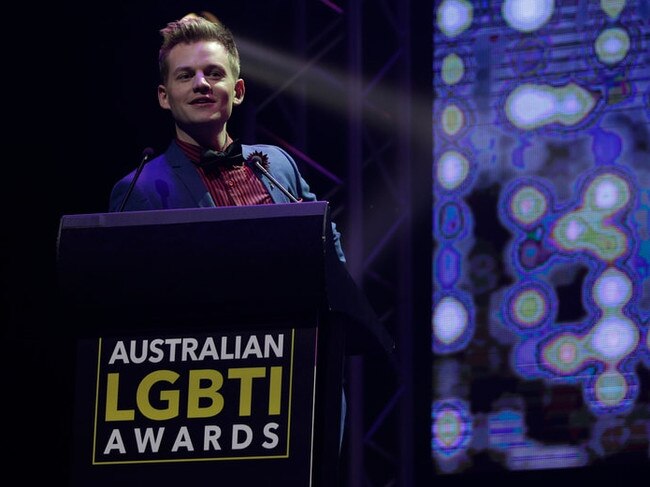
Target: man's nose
[(201, 84)]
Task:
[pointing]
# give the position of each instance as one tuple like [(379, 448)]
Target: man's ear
[(240, 89), (162, 97)]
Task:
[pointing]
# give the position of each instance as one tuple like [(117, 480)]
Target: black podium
[(210, 345)]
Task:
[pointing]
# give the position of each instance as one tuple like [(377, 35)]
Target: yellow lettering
[(275, 389), (112, 393), (171, 398), (196, 392), (246, 376)]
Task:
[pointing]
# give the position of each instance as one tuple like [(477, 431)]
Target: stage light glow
[(530, 106), (452, 170), (612, 289), (528, 205), (529, 308), (452, 119), (614, 337), (611, 388), (450, 319), (613, 8), (527, 15), (453, 69), (612, 45), (454, 16)]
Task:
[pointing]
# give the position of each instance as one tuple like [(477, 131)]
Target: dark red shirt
[(229, 186)]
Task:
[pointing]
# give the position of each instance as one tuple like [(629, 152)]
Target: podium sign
[(209, 403)]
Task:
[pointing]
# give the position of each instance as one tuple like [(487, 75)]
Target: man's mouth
[(201, 101)]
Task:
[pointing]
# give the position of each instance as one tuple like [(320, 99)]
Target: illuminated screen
[(541, 252)]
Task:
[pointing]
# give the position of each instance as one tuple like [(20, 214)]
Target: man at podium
[(203, 165)]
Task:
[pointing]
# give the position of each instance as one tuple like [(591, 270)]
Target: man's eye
[(183, 76), (215, 74)]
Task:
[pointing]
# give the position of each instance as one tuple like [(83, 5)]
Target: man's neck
[(218, 141)]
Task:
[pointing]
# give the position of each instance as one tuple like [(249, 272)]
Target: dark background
[(80, 106)]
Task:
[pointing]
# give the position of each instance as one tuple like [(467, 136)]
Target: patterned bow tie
[(232, 156)]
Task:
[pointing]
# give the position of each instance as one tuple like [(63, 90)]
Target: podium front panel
[(249, 262)]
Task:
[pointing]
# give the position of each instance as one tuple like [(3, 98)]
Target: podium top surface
[(194, 215)]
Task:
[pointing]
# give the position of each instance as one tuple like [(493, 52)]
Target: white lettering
[(225, 355), (189, 349), (172, 342), (119, 353), (148, 439), (183, 440), (157, 353), (209, 350), (211, 434), (252, 348), (143, 352), (269, 433), (276, 345), (196, 350), (115, 442), (238, 444)]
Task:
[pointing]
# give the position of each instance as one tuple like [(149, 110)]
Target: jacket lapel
[(188, 177)]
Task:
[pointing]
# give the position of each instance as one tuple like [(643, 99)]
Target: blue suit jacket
[(171, 180)]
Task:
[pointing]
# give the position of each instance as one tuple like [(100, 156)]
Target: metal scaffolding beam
[(354, 95)]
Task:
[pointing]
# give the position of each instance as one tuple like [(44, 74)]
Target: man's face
[(200, 89)]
